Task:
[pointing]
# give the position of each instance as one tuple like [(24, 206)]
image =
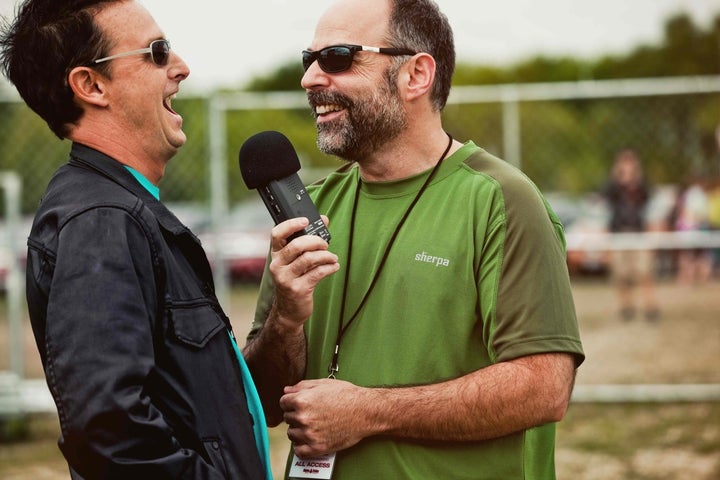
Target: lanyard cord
[(333, 368)]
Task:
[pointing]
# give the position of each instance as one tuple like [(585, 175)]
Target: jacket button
[(215, 445)]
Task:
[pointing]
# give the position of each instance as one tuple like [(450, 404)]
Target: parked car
[(591, 220), (193, 215), (13, 249), (586, 218), (242, 242)]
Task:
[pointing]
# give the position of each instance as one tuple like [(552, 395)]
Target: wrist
[(283, 325), (379, 410)]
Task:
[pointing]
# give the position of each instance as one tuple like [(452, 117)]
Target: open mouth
[(325, 109), (167, 103)]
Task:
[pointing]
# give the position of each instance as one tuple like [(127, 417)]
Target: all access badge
[(317, 467)]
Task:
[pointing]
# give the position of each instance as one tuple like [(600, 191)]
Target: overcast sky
[(227, 42)]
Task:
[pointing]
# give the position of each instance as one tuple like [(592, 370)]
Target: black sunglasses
[(338, 58), (159, 51)]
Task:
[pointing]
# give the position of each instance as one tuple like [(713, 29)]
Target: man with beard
[(441, 313)]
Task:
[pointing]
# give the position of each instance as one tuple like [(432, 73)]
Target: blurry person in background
[(713, 195), (436, 336), (692, 214), (137, 352), (627, 194)]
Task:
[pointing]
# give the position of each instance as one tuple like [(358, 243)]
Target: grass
[(595, 442), (639, 441)]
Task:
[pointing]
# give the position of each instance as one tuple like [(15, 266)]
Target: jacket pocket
[(214, 449), (195, 325)]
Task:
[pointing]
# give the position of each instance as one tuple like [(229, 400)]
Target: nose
[(314, 77), (178, 69)]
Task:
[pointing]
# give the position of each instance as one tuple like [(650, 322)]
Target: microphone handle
[(287, 198)]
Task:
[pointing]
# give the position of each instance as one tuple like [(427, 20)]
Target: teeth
[(322, 109), (168, 102)]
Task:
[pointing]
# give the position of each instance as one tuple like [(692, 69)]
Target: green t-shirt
[(476, 276)]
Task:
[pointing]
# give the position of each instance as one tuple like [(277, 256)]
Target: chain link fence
[(563, 135)]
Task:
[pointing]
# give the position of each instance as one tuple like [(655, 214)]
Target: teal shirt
[(154, 190), (256, 410), (253, 399)]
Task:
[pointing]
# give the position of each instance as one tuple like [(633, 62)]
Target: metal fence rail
[(677, 240), (646, 393), (518, 122)]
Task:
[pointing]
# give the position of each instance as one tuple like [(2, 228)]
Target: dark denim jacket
[(134, 344)]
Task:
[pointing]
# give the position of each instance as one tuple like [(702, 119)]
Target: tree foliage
[(686, 49), (569, 145), (566, 145)]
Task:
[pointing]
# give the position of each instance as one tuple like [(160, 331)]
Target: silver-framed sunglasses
[(159, 51)]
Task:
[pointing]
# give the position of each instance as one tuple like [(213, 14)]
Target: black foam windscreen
[(267, 156)]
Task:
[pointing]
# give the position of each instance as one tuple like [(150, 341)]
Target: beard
[(370, 121)]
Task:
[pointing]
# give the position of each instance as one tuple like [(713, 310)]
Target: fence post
[(512, 142), (12, 187), (218, 193)]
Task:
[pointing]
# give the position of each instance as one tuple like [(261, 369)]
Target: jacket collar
[(85, 157)]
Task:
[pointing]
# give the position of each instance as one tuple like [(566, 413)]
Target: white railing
[(676, 240)]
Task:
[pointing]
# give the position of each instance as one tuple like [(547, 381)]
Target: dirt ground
[(645, 441), (596, 441)]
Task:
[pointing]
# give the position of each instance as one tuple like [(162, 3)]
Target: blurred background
[(647, 403)]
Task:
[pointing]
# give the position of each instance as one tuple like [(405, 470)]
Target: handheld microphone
[(268, 163)]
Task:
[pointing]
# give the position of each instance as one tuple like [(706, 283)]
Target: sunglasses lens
[(331, 59), (335, 59), (160, 52), (308, 58)]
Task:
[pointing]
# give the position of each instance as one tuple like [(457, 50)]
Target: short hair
[(420, 26), (47, 39)]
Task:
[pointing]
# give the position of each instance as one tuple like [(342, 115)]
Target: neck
[(116, 149), (405, 158)]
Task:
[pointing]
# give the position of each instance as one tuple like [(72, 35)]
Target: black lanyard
[(333, 368)]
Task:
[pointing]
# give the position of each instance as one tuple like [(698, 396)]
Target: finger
[(300, 275), (280, 233), (302, 385), (311, 259), (289, 418), (296, 437), (304, 450), (289, 251), (294, 408), (287, 406)]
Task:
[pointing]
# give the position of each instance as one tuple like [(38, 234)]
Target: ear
[(88, 85), (420, 76)]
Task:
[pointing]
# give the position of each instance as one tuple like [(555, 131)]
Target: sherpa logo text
[(438, 261)]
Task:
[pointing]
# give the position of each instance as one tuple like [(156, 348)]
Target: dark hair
[(39, 49), (420, 26)]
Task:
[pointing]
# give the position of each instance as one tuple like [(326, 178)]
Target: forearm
[(489, 403), (332, 415), (276, 357)]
